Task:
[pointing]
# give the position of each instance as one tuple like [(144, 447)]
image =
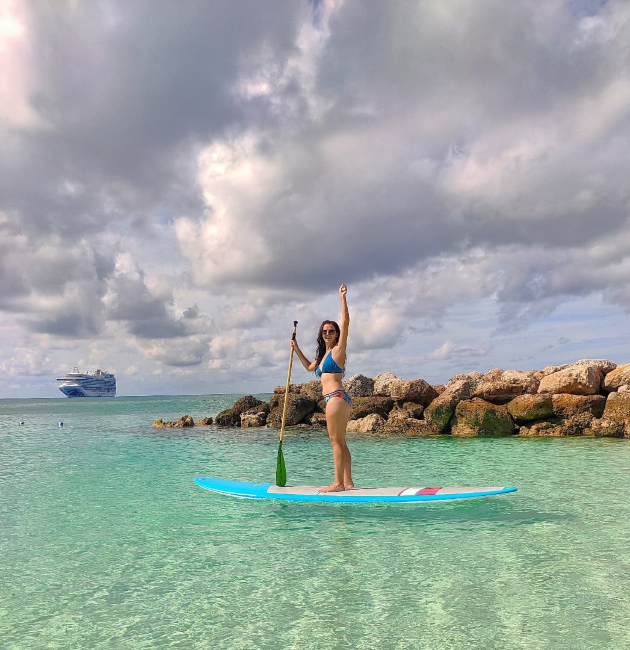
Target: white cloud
[(17, 75), (450, 350)]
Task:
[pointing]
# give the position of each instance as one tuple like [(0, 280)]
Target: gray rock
[(249, 420), (298, 407), (527, 408), (373, 423), (442, 408), (569, 406), (500, 386), (311, 389), (400, 426), (477, 417), (407, 410), (473, 379), (363, 406), (232, 417), (316, 420), (413, 390), (617, 378), (359, 386), (575, 380), (382, 384), (549, 370)]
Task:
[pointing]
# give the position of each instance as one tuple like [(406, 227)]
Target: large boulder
[(400, 426), (540, 429), (603, 364), (549, 370), (232, 417), (602, 428), (473, 379), (316, 420), (618, 410), (568, 406), (578, 425), (359, 386), (373, 423), (441, 409), (253, 420), (575, 380), (298, 407), (363, 406), (499, 386), (617, 378), (311, 389), (406, 410), (383, 384), (255, 417), (526, 408), (293, 388), (477, 417), (412, 390)]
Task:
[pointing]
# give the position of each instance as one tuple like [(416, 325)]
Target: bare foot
[(349, 485), (335, 487)]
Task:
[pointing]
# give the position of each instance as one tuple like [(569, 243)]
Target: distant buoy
[(22, 422), (61, 424)]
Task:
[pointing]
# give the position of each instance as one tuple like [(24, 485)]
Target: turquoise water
[(106, 542)]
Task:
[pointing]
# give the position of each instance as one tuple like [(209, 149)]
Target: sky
[(179, 182)]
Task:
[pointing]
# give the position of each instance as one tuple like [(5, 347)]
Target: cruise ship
[(81, 384)]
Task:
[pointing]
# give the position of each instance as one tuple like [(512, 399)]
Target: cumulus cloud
[(450, 350)]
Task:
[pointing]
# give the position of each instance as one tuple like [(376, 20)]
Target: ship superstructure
[(81, 384)]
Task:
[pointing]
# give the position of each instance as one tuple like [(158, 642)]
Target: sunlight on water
[(106, 542)]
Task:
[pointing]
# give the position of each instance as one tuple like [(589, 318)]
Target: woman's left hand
[(343, 290)]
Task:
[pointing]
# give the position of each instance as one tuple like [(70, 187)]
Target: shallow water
[(106, 542)]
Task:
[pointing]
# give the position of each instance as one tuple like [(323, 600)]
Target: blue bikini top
[(329, 365)]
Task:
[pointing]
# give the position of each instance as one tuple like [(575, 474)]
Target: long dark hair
[(321, 346)]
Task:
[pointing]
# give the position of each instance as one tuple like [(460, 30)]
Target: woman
[(329, 365)]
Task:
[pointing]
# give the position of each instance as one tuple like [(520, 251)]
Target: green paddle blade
[(281, 470)]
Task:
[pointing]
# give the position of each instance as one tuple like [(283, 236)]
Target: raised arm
[(310, 366), (345, 321)]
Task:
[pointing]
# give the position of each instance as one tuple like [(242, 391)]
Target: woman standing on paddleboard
[(329, 365)]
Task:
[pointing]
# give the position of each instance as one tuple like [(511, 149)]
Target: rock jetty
[(590, 397)]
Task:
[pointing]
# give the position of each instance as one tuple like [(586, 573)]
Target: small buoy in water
[(22, 422), (61, 424)]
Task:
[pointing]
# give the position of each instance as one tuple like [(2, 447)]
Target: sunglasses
[(331, 332)]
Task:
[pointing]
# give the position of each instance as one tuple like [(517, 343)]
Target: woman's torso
[(331, 381)]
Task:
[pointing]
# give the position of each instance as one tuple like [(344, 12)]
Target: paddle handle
[(286, 391)]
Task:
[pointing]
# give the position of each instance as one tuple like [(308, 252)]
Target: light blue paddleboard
[(355, 495)]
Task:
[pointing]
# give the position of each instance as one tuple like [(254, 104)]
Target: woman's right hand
[(294, 344)]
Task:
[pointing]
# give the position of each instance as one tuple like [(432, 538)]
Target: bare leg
[(337, 413)]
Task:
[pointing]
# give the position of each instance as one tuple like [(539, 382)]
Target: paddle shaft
[(286, 391)]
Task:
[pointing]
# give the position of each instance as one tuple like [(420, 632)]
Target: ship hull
[(76, 390)]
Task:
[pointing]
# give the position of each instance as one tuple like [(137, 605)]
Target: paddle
[(281, 470)]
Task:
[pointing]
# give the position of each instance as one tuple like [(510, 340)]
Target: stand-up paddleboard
[(355, 495)]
